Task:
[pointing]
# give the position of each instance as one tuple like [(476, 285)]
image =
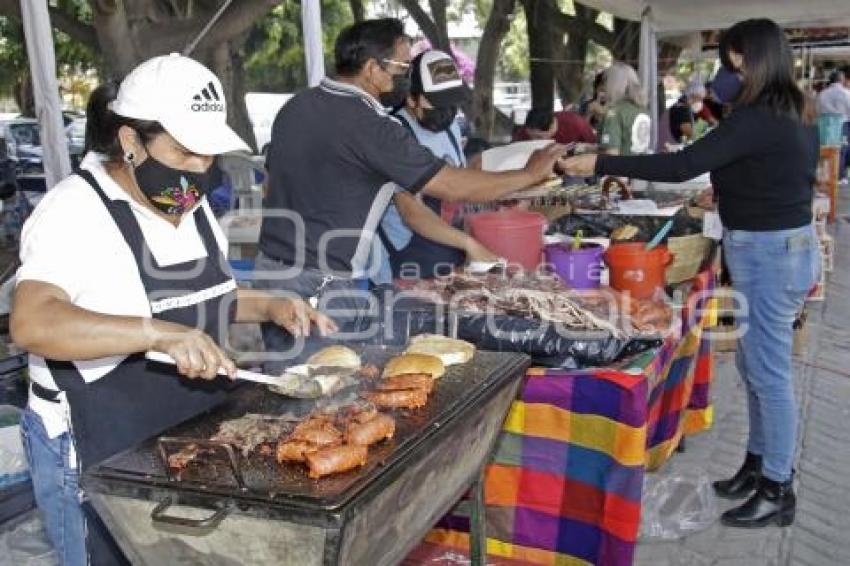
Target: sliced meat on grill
[(422, 381), (318, 431), (369, 372), (336, 460), (400, 399), (380, 427), (182, 458), (293, 451), (360, 411)]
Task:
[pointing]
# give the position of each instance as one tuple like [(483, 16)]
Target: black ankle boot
[(773, 502), (742, 483)]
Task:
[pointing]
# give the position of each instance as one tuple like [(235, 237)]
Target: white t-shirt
[(71, 241), (835, 99)]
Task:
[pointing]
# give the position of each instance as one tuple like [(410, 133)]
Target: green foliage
[(513, 63), (72, 57), (275, 53)]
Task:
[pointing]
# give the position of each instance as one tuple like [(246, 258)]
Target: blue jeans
[(56, 486), (774, 271)]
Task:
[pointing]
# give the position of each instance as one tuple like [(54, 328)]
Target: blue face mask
[(726, 86)]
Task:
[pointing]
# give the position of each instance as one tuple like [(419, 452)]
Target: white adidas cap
[(185, 97)]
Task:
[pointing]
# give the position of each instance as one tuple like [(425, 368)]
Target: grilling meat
[(336, 459), (380, 427), (181, 459), (369, 372), (400, 399), (293, 450), (318, 431), (252, 431), (358, 412), (403, 381)]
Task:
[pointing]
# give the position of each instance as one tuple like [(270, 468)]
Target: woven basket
[(689, 253)]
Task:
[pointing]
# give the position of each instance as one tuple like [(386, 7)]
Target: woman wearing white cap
[(122, 258)]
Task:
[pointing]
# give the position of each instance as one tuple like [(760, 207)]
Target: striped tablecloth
[(565, 484)]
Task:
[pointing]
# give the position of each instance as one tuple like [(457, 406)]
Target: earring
[(129, 156)]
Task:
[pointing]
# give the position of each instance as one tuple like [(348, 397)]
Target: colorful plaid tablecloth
[(565, 484)]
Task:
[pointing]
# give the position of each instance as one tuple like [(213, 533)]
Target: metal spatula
[(290, 384)]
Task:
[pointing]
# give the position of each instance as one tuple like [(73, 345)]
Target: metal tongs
[(293, 383)]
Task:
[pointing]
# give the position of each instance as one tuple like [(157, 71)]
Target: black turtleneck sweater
[(762, 166)]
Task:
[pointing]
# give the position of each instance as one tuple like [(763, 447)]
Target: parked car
[(76, 134), (23, 146), (8, 183)]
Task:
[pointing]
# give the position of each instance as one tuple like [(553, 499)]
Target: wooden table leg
[(478, 524)]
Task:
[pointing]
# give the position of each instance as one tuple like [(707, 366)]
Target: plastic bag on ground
[(24, 542), (677, 501)]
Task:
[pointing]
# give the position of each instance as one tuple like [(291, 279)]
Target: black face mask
[(396, 97), (438, 119), (171, 190)]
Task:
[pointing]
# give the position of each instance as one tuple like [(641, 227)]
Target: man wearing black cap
[(436, 92)]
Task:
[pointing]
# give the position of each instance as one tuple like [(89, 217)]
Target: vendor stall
[(566, 481)]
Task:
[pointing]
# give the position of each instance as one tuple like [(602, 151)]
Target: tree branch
[(176, 34), (63, 21), (357, 10), (76, 30), (423, 20), (583, 24)]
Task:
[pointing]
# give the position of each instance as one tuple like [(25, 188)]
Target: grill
[(233, 509)]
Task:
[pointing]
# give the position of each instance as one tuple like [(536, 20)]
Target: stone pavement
[(820, 535)]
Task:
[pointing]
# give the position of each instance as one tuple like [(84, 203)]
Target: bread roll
[(449, 350), (335, 356), (415, 363)]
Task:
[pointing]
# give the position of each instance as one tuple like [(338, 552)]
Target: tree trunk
[(540, 32), (569, 76), (438, 13), (357, 10), (115, 38), (435, 26), (626, 46), (25, 96), (227, 63), (485, 117)]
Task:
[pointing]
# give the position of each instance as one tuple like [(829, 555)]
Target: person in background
[(712, 104), (563, 127), (689, 110), (835, 99), (762, 160), (626, 127), (594, 108), (416, 241)]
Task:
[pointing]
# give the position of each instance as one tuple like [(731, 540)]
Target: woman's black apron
[(139, 399)]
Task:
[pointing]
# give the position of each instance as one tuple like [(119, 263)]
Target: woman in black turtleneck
[(762, 161)]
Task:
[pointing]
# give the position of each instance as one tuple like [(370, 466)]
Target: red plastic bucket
[(636, 270), (516, 235)]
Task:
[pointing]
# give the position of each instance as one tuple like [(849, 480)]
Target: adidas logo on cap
[(207, 100)]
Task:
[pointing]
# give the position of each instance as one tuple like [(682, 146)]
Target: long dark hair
[(102, 124), (768, 67)]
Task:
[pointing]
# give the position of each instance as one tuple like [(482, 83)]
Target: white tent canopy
[(677, 16)]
